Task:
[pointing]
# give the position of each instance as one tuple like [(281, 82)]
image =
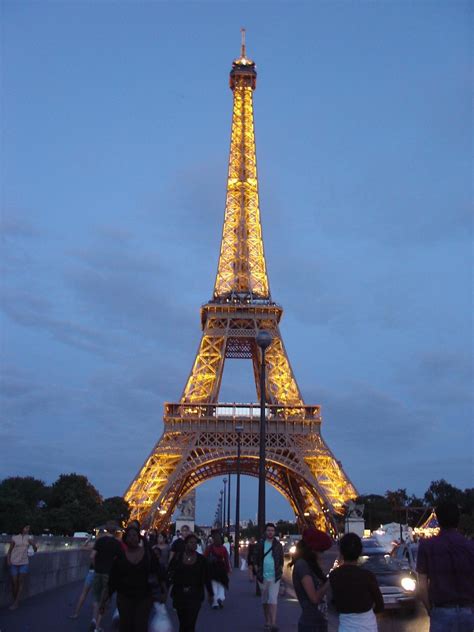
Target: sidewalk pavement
[(242, 611)]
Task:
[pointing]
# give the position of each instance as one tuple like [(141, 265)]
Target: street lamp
[(263, 340), (239, 430), (220, 511), (228, 507), (224, 520)]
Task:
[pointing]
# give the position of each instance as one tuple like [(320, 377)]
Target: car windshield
[(379, 563)]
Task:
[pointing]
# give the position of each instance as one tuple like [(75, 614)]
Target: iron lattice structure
[(199, 440)]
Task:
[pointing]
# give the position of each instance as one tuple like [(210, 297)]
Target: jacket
[(278, 558)]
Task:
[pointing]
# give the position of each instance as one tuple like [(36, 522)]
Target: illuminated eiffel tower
[(199, 441)]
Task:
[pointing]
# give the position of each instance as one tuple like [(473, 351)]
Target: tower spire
[(242, 46), (241, 271)]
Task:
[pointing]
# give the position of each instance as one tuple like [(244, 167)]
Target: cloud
[(35, 312)]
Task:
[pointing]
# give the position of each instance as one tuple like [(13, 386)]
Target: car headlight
[(408, 584), (292, 549)]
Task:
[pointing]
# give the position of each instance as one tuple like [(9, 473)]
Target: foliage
[(440, 491), (71, 504), (284, 527), (116, 509), (377, 510), (22, 501)]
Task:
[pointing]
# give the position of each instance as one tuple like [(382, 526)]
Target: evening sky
[(115, 126)]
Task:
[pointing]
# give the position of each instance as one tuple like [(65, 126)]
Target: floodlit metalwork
[(200, 438)]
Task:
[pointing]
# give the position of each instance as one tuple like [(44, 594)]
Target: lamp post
[(239, 430), (228, 507), (263, 340), (224, 507), (220, 511)]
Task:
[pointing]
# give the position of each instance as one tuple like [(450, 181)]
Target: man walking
[(106, 549), (178, 543), (269, 569), (18, 562), (445, 567)]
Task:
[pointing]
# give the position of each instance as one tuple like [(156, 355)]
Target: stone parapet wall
[(48, 570)]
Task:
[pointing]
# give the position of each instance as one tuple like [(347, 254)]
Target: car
[(289, 544), (397, 584), (405, 553), (370, 546), (82, 535)]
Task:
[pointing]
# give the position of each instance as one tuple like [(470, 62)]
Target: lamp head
[(263, 339)]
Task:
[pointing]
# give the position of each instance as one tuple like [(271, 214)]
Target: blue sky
[(115, 136)]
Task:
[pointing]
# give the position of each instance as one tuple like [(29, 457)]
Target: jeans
[(454, 619)]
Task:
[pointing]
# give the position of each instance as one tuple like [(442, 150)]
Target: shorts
[(270, 591), (100, 586), (18, 569), (89, 578)]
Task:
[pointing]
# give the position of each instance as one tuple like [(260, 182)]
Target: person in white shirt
[(18, 562)]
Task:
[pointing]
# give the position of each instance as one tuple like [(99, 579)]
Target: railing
[(223, 411)]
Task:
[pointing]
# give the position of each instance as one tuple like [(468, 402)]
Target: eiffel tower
[(199, 441)]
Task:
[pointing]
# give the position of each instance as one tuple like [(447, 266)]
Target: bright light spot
[(408, 584)]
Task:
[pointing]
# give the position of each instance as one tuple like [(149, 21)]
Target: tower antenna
[(242, 48)]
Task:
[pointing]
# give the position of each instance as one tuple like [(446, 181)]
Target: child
[(355, 590)]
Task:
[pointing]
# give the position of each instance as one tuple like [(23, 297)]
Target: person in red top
[(219, 568)]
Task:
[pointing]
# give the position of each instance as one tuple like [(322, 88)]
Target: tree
[(117, 509), (75, 505), (286, 527), (22, 501), (441, 491), (377, 510), (467, 501), (397, 498)]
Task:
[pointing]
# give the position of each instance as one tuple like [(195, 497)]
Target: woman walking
[(219, 569), (189, 575), (309, 581), (252, 559), (130, 578), (355, 590), (162, 544)]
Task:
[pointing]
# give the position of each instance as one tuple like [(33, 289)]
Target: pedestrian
[(188, 573), (219, 569), (152, 537), (138, 579), (251, 558), (269, 569), (86, 586), (177, 545), (162, 544), (18, 562), (89, 578), (227, 545), (355, 591), (106, 549), (309, 581), (445, 566)]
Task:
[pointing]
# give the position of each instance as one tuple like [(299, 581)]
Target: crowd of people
[(141, 569)]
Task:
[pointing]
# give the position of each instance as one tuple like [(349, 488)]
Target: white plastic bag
[(116, 620), (243, 564), (160, 620)]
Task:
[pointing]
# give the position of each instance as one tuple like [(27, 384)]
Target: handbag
[(160, 620)]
